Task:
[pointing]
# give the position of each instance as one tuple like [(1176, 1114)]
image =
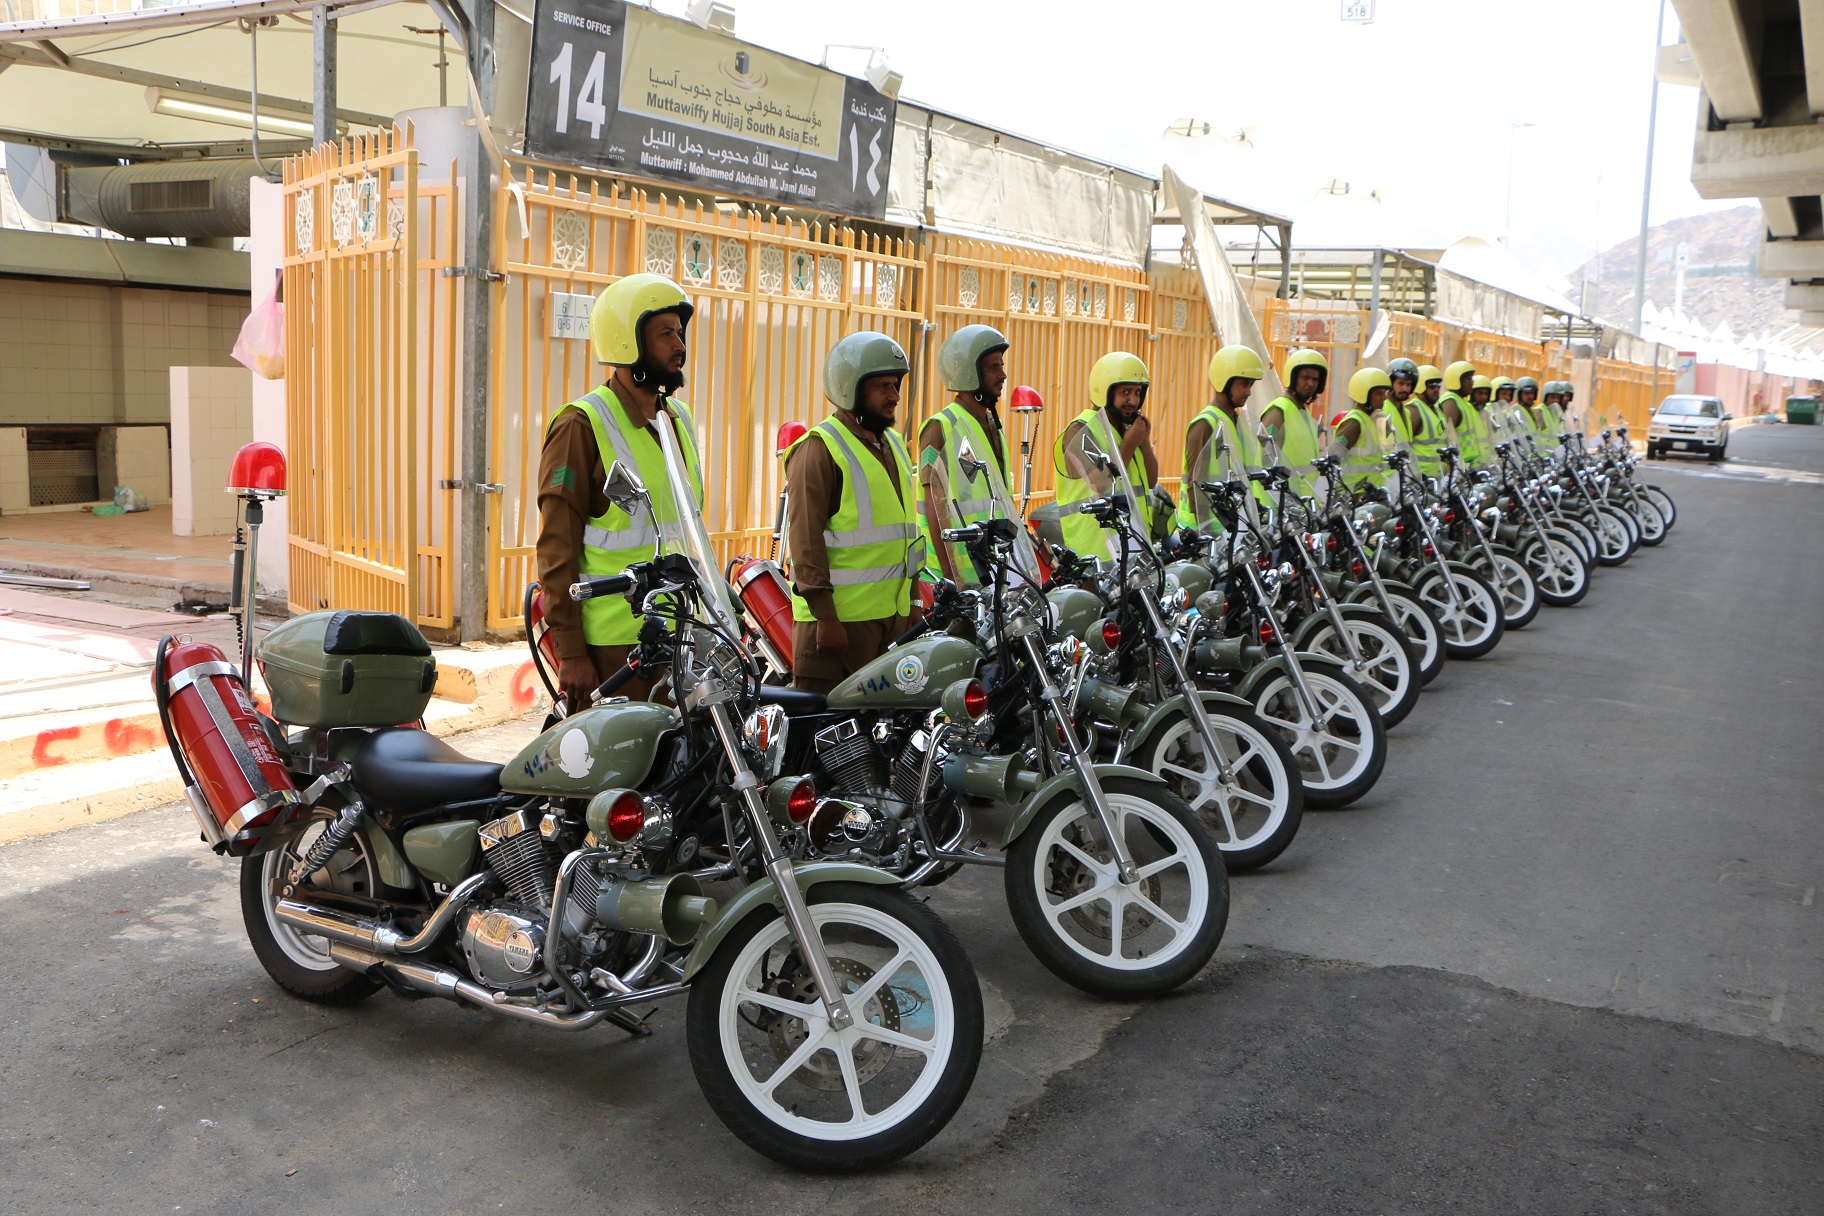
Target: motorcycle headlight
[(765, 731)]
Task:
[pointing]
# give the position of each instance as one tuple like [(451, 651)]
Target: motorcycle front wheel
[(1104, 936), (1668, 511), (1473, 621), (1388, 673), (1561, 573), (1614, 539), (1419, 626), (1255, 815), (1651, 523), (1519, 593), (837, 1101), (1341, 756)]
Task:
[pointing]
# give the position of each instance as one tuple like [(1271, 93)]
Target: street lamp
[(1507, 228)]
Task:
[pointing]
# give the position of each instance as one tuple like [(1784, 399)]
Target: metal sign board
[(622, 89), (568, 314)]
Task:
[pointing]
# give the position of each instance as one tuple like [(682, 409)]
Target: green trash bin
[(1802, 411)]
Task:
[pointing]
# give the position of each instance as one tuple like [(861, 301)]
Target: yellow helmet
[(1453, 375), (1481, 382), (622, 308), (1116, 367), (1428, 373), (1235, 362), (1365, 381), (1497, 383), (1305, 357)]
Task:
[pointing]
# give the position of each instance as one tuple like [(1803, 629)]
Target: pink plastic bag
[(261, 346)]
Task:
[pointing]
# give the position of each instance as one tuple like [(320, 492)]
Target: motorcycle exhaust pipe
[(672, 906), (371, 935), (441, 981)]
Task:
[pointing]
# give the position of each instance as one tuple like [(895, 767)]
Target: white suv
[(1688, 423)]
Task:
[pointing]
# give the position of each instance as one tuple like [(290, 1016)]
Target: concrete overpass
[(1760, 131)]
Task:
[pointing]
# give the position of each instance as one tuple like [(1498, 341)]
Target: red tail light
[(1263, 561), (1111, 635), (1450, 517), (626, 817), (1399, 529), (802, 802), (1357, 570), (975, 699), (1266, 633), (1331, 544)]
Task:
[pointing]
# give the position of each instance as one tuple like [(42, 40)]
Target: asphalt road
[(1565, 958)]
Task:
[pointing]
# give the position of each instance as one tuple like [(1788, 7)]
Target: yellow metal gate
[(369, 409)]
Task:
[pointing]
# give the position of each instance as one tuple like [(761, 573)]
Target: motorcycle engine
[(504, 941), (504, 944)]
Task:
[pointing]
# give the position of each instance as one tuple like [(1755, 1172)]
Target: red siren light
[(1024, 399), (258, 468)]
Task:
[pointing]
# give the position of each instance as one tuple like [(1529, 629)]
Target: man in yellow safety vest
[(973, 364), (1290, 419), (852, 510), (1117, 393), (1233, 372), (637, 327)]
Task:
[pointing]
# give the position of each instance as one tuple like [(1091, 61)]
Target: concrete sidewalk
[(80, 738)]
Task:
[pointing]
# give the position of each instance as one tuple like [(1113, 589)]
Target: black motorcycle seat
[(402, 769), (793, 701)]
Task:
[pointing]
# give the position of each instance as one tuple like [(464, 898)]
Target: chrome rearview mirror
[(623, 487)]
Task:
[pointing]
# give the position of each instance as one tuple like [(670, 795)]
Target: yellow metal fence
[(373, 327)]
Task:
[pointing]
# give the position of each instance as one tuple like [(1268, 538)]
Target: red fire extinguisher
[(236, 783), (768, 601)]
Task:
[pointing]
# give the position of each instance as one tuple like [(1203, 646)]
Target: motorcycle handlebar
[(608, 584)]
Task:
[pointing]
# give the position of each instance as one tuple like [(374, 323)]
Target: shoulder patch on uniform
[(562, 477)]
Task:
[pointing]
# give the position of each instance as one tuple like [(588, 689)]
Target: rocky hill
[(1721, 286)]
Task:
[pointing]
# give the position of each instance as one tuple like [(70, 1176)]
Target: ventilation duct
[(196, 199)]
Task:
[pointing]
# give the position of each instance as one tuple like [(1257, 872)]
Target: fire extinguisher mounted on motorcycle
[(226, 751)]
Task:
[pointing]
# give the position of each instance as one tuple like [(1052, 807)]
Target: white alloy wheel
[(1108, 923), (1386, 673), (1255, 814), (822, 1083)]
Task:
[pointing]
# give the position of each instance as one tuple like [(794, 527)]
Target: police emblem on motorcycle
[(909, 676)]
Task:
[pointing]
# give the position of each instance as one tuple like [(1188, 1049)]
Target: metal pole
[(1646, 186), (477, 292), (323, 89)]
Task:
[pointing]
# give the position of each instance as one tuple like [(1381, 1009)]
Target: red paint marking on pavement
[(41, 749), (521, 693), (123, 737)]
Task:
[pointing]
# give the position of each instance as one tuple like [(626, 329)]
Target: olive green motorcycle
[(834, 1023), (1111, 880)]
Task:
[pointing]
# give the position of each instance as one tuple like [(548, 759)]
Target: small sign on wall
[(569, 314)]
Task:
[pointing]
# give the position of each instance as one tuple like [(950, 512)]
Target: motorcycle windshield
[(1225, 483), (1101, 470), (1024, 558), (680, 526)]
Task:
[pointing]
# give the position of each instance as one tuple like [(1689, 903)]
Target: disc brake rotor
[(786, 1033), (1070, 878)]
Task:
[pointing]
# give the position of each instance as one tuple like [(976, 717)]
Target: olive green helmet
[(854, 359), (1524, 383), (959, 360), (621, 310), (1116, 367), (1403, 367)]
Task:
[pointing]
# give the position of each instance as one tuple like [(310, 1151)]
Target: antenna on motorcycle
[(256, 474), (1026, 402)]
